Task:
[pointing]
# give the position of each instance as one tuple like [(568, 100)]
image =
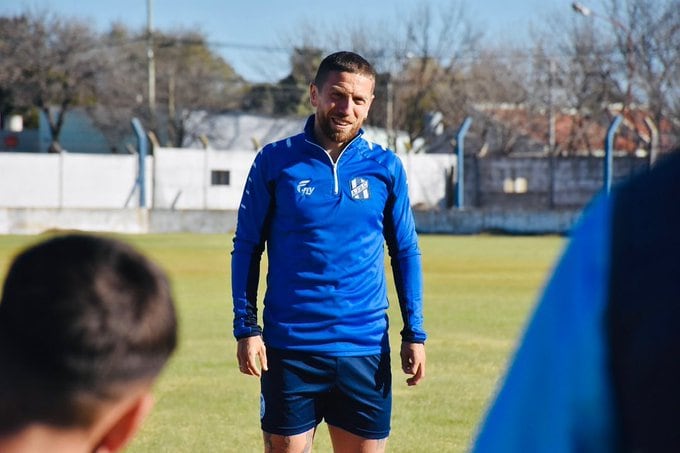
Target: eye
[(335, 96)]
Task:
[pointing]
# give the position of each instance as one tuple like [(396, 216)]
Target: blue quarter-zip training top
[(325, 225)]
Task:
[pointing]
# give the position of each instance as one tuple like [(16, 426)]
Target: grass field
[(478, 292)]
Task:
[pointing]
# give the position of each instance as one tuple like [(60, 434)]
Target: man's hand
[(248, 351), (413, 361)]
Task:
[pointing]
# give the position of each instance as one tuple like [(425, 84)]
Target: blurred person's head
[(86, 325)]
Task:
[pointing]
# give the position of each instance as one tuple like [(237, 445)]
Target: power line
[(255, 47)]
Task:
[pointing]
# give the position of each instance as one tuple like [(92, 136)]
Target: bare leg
[(299, 443), (346, 442)]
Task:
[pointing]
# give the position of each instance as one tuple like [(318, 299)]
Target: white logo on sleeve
[(304, 188), (359, 189)]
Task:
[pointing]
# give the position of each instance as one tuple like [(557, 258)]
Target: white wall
[(176, 179), (30, 180), (102, 181), (70, 180), (89, 192), (182, 178), (427, 177)]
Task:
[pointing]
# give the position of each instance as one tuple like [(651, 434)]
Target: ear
[(370, 103), (313, 95), (126, 425)]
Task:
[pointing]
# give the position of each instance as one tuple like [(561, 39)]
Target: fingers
[(407, 365), (262, 354), (250, 368), (252, 364), (416, 369), (417, 376), (413, 362), (251, 355)]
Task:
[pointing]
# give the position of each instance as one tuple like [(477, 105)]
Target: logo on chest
[(359, 188), (304, 188)]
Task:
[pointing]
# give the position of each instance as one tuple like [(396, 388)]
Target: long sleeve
[(402, 243), (249, 240), (557, 396)]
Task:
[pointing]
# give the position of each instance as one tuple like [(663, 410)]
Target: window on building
[(515, 185), (220, 177)]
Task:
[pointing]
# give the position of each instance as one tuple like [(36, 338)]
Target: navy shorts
[(352, 393)]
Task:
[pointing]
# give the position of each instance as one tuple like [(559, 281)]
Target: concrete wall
[(138, 221), (131, 221), (192, 221), (475, 221), (428, 178), (100, 193), (551, 183), (67, 180), (38, 220), (182, 179)]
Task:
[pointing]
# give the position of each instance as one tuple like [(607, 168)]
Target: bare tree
[(192, 77), (493, 89), (653, 30), (623, 57), (121, 91), (417, 53), (189, 77), (54, 64), (590, 74), (434, 49)]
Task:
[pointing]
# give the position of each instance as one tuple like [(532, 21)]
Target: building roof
[(245, 131)]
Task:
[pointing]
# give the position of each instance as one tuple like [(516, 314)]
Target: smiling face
[(342, 103)]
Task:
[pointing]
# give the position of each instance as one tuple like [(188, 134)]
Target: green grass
[(478, 292)]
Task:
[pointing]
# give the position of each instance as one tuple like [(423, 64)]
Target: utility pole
[(151, 65), (551, 107), (389, 114)]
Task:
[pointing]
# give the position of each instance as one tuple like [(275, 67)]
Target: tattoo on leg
[(285, 442), (268, 446)]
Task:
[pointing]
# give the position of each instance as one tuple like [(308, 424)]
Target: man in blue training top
[(325, 202)]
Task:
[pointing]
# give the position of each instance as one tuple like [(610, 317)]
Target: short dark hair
[(343, 62), (81, 319)]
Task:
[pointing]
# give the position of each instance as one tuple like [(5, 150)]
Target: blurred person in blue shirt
[(598, 367)]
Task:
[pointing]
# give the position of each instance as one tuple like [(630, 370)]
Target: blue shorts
[(352, 393)]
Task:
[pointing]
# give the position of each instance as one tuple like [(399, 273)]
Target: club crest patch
[(262, 406), (359, 188)]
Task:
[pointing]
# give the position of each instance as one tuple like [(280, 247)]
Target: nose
[(343, 104)]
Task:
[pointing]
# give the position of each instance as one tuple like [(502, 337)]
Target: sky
[(247, 33)]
